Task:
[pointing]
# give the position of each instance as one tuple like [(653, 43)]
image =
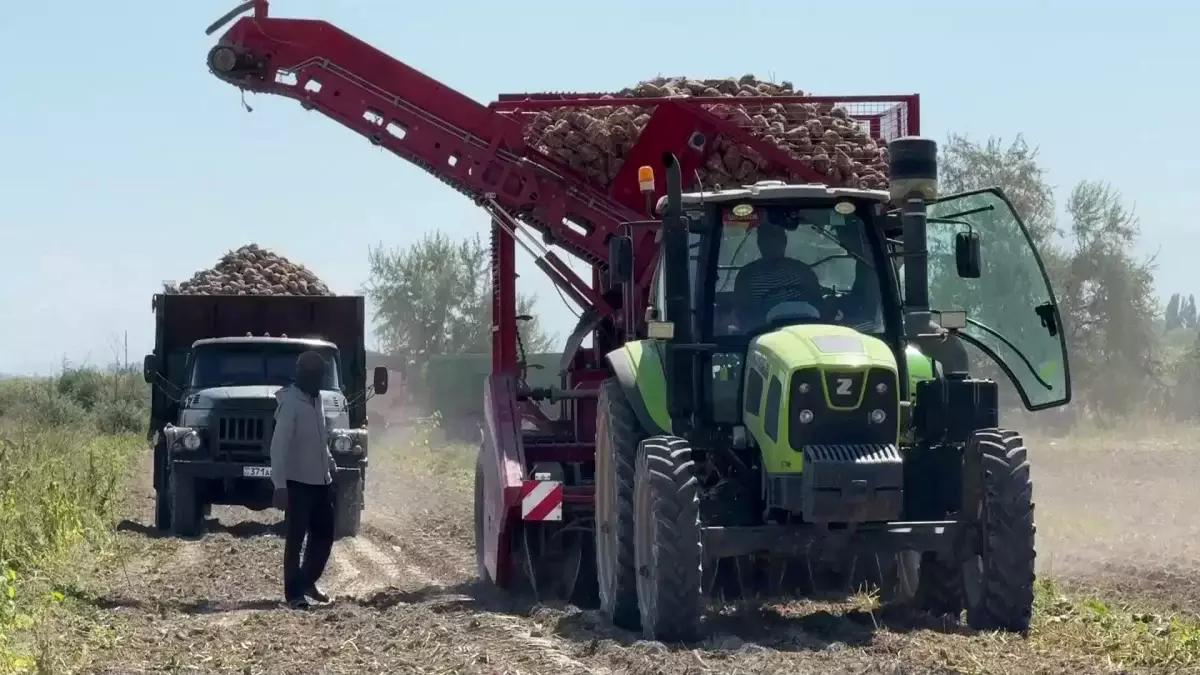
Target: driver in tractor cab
[(774, 279)]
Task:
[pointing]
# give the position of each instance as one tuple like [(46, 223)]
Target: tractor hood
[(828, 345), (818, 345)]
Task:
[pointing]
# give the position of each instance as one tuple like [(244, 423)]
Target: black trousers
[(309, 514)]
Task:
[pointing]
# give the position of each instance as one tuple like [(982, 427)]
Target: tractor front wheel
[(998, 582), (667, 547)]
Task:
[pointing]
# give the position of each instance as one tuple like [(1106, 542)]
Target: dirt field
[(406, 601)]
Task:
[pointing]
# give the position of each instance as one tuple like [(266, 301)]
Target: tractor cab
[(773, 256)]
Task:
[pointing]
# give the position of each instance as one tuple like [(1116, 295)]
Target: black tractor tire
[(1001, 596), (900, 574), (668, 550), (187, 510), (940, 585), (481, 524), (618, 434), (347, 507)]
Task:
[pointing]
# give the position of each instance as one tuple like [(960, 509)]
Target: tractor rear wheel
[(900, 574), (940, 585), (618, 433), (481, 524), (668, 551), (998, 583)]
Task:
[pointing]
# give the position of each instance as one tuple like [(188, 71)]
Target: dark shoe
[(298, 603), (316, 594)]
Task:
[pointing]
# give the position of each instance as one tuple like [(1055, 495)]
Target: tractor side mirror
[(620, 260), (967, 257), (149, 368), (380, 383)]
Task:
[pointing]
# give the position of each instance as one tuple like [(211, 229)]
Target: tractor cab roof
[(777, 189)]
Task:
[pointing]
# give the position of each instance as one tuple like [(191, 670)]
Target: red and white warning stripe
[(541, 500)]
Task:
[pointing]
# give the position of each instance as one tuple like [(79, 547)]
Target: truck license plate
[(256, 471)]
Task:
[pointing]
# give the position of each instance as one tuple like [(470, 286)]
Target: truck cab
[(213, 412)]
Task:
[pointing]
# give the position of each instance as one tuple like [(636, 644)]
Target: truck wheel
[(187, 517), (347, 508), (617, 436), (162, 494), (667, 549), (162, 510), (998, 584)]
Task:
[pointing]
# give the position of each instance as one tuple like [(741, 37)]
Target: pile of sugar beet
[(595, 141), (252, 270)]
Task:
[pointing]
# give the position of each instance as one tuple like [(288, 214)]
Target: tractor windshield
[(780, 263)]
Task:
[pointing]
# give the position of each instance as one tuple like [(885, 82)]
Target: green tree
[(965, 165), (1109, 294), (1172, 318), (434, 298), (1187, 313), (1104, 291)]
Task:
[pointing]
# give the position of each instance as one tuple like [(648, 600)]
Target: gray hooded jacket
[(299, 444)]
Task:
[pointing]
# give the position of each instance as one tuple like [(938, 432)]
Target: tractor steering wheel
[(795, 301)]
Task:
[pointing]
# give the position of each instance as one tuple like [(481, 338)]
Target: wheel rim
[(606, 527), (645, 552), (973, 567)]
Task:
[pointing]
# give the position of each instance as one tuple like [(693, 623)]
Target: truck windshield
[(234, 365), (779, 263)]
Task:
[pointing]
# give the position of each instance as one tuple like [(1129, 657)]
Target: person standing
[(302, 470)]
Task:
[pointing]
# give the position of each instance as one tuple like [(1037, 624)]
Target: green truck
[(218, 361)]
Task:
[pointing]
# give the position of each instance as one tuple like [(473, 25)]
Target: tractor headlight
[(341, 443), (881, 388), (191, 441), (805, 416), (878, 416), (804, 388)]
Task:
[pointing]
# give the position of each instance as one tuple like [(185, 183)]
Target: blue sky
[(124, 163)]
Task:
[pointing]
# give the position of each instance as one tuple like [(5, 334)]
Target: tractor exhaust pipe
[(679, 362), (912, 169)]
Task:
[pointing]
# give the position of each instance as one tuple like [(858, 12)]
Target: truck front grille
[(242, 438)]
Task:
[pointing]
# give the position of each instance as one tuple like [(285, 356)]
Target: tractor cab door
[(1012, 315)]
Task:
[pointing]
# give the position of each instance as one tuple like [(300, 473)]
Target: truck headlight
[(191, 441), (341, 443)]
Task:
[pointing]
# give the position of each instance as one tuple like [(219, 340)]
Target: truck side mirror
[(380, 380), (967, 257), (620, 260), (149, 368)]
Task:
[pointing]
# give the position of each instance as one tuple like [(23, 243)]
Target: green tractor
[(802, 413)]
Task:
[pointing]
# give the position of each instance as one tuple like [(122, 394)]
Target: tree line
[(433, 297)]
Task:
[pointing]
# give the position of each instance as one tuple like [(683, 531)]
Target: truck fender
[(638, 367)]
